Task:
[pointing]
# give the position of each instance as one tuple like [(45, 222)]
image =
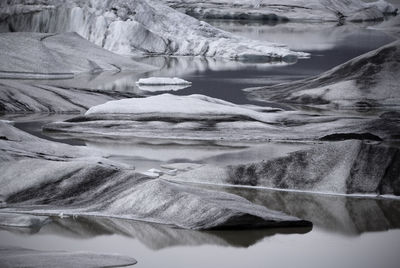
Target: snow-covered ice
[(163, 81), (156, 84), (138, 27)]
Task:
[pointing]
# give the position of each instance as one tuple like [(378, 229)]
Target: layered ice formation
[(344, 167), (38, 96), (198, 117), (49, 68), (132, 27), (45, 177), (284, 10), (370, 80), (38, 55)]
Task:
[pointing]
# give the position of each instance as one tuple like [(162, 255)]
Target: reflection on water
[(329, 45), (350, 229), (153, 236), (341, 214)]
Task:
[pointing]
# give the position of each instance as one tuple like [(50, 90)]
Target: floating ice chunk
[(194, 106), (21, 257), (155, 84), (155, 81), (162, 88), (181, 166)]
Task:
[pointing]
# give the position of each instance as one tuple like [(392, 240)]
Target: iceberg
[(202, 118), (162, 81), (366, 82), (153, 236), (137, 27), (284, 10), (155, 84), (48, 178), (341, 167)]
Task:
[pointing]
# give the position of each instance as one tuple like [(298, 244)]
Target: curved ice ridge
[(370, 80), (131, 27), (198, 117), (45, 177), (40, 55)]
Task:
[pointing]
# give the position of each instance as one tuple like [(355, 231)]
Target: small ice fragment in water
[(163, 81)]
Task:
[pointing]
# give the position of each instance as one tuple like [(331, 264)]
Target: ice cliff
[(132, 27)]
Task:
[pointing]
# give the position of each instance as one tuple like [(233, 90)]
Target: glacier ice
[(173, 117), (53, 72), (61, 179), (38, 55), (137, 27), (368, 81), (343, 167), (284, 10)]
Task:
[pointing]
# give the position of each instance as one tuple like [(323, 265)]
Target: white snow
[(163, 81), (180, 106)]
